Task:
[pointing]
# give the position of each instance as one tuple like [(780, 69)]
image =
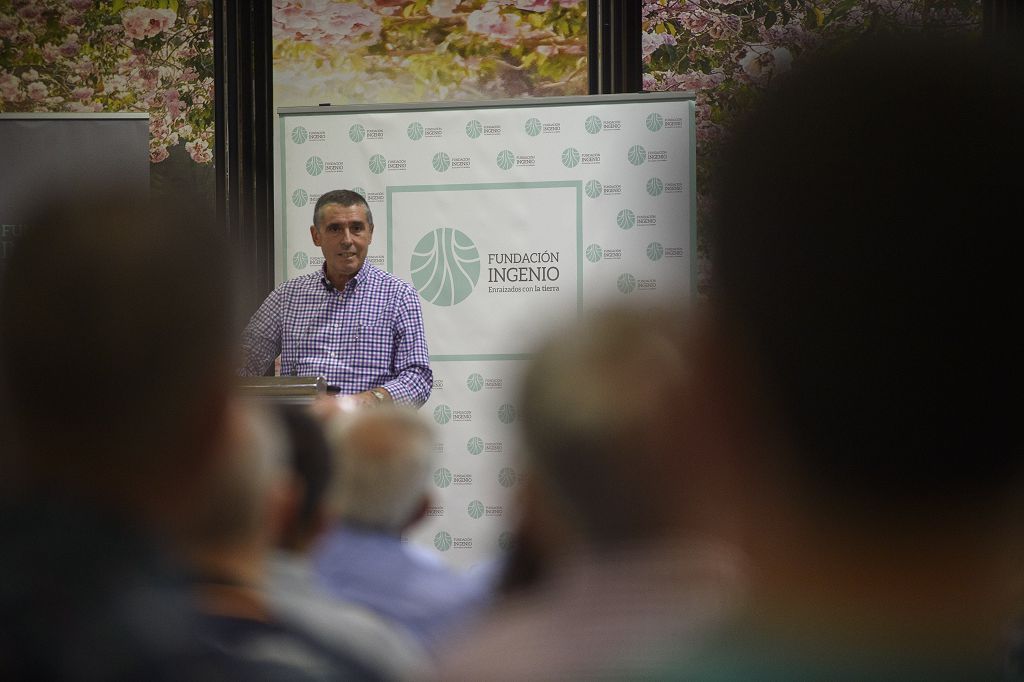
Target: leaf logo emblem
[(445, 266), (507, 413), (442, 478), (441, 162), (637, 155), (442, 414), (314, 165), (626, 283), (507, 477), (443, 541), (506, 159), (570, 157)]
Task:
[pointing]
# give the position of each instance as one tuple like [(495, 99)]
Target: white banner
[(506, 217)]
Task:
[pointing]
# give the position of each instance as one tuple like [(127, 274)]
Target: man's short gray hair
[(342, 197), (382, 461)]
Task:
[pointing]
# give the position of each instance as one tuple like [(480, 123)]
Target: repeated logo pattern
[(506, 159), (443, 541), (507, 413), (507, 477), (625, 219), (570, 157), (636, 155), (441, 162), (314, 165), (626, 283), (442, 478), (442, 414)]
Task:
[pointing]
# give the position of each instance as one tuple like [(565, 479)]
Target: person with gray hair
[(610, 514), (228, 538), (359, 327), (294, 595), (384, 458)]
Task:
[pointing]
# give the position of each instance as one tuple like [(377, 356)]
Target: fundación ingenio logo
[(445, 266)]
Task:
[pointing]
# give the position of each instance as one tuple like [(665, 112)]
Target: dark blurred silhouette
[(116, 348), (855, 387), (229, 535), (622, 578), (294, 595), (383, 460)]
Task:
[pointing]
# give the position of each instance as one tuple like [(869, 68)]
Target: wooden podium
[(283, 390)]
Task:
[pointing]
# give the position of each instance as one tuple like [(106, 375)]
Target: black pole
[(243, 63), (614, 46)]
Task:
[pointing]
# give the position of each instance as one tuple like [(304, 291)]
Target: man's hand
[(375, 397)]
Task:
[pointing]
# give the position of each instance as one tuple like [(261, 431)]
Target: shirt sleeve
[(414, 378), (261, 340)]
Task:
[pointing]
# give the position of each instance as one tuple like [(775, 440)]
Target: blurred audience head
[(239, 511), (382, 459), (863, 269), (117, 338), (597, 399), (311, 472)]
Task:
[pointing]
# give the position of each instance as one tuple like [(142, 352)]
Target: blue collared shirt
[(369, 334)]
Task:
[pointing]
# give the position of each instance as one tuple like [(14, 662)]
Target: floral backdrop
[(357, 51), (117, 56), (728, 51)]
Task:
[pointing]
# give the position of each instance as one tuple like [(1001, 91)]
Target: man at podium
[(354, 324)]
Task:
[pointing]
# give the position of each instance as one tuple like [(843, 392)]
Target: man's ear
[(315, 233)]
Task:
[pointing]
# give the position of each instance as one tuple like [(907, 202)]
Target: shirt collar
[(361, 276)]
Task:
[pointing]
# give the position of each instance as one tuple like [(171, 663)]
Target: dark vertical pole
[(244, 139), (1002, 22), (614, 46)]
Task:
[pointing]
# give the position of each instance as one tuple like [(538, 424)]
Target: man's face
[(343, 234)]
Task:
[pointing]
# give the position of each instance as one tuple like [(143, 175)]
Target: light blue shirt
[(399, 581)]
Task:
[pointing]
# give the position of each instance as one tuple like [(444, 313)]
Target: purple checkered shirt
[(367, 335)]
